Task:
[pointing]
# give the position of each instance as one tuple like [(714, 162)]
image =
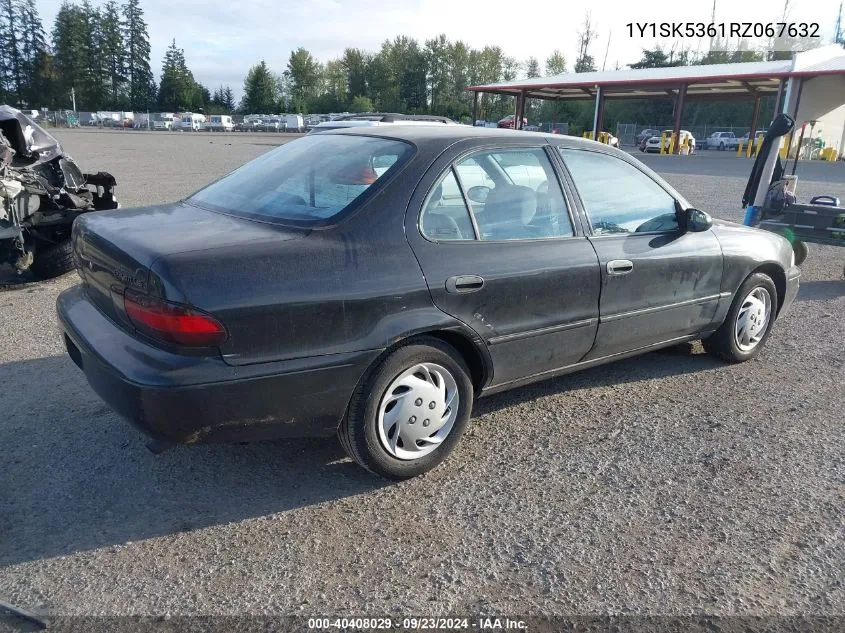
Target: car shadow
[(821, 290), (684, 358), (74, 476)]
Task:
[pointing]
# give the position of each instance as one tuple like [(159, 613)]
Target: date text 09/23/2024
[(724, 29), (418, 624)]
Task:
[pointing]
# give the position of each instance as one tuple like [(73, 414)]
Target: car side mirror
[(694, 221)]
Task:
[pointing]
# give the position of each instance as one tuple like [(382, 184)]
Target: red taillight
[(172, 323)]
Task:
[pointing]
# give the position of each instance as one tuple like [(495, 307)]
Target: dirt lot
[(666, 484)]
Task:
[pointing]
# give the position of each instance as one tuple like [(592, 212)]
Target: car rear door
[(501, 251), (658, 282)]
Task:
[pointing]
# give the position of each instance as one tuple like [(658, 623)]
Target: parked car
[(721, 141), (653, 144), (507, 122), (643, 136), (330, 286), (219, 123)]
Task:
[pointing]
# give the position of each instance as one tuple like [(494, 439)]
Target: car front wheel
[(410, 411), (749, 322)]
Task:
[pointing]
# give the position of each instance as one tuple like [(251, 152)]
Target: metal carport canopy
[(712, 80)]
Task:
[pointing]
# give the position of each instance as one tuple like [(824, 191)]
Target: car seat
[(508, 212)]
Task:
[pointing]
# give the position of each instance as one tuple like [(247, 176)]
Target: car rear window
[(308, 181)]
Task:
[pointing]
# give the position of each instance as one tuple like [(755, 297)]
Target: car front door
[(659, 283), (502, 252)]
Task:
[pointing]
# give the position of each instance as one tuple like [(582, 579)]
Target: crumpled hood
[(27, 138)]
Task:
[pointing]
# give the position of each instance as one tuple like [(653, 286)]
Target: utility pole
[(73, 97), (607, 50), (838, 37)]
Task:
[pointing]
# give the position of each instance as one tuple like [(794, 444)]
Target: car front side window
[(618, 197)]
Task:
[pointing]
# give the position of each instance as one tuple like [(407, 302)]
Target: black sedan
[(372, 283)]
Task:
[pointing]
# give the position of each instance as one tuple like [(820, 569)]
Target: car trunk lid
[(115, 250)]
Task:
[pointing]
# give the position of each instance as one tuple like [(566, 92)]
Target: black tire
[(358, 432), (801, 251), (722, 342), (54, 260)]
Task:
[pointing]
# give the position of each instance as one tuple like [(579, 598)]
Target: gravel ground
[(665, 484)]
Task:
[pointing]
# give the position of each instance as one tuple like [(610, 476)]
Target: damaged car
[(42, 191)]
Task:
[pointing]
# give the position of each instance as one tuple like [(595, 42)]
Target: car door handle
[(460, 284), (619, 267)]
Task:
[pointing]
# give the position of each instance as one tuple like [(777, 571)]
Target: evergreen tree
[(93, 88), (70, 48), (260, 90), (532, 68), (33, 49), (137, 47), (178, 91), (11, 58), (228, 99), (113, 56)]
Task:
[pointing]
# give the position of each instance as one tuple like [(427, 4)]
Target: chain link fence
[(629, 133)]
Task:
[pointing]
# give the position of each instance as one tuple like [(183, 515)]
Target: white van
[(190, 122), (294, 123), (163, 121), (220, 123)]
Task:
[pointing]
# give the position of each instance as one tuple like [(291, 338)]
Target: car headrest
[(510, 204)]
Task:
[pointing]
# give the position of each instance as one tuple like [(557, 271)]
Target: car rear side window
[(618, 197), (512, 194), (445, 215), (308, 181)]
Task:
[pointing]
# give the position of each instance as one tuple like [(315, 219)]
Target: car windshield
[(307, 181)]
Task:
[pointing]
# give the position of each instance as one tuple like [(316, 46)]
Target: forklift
[(770, 202)]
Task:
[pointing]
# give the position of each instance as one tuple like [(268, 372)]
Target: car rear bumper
[(190, 399)]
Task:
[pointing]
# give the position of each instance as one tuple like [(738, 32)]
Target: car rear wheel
[(410, 411), (749, 322)]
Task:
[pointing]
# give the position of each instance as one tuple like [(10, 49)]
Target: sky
[(222, 39)]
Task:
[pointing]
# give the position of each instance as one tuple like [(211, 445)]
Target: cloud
[(223, 39)]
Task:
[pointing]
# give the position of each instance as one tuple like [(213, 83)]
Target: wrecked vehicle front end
[(42, 191)]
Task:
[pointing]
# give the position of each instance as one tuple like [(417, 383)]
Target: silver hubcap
[(752, 320), (418, 411)]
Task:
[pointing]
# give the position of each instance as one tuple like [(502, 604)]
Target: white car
[(721, 141), (652, 145)]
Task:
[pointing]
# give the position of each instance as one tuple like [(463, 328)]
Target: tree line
[(101, 55)]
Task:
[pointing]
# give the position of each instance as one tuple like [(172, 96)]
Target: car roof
[(452, 133)]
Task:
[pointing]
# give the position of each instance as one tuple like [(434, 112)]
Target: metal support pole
[(779, 98), (753, 129), (679, 111), (597, 114), (474, 107)]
